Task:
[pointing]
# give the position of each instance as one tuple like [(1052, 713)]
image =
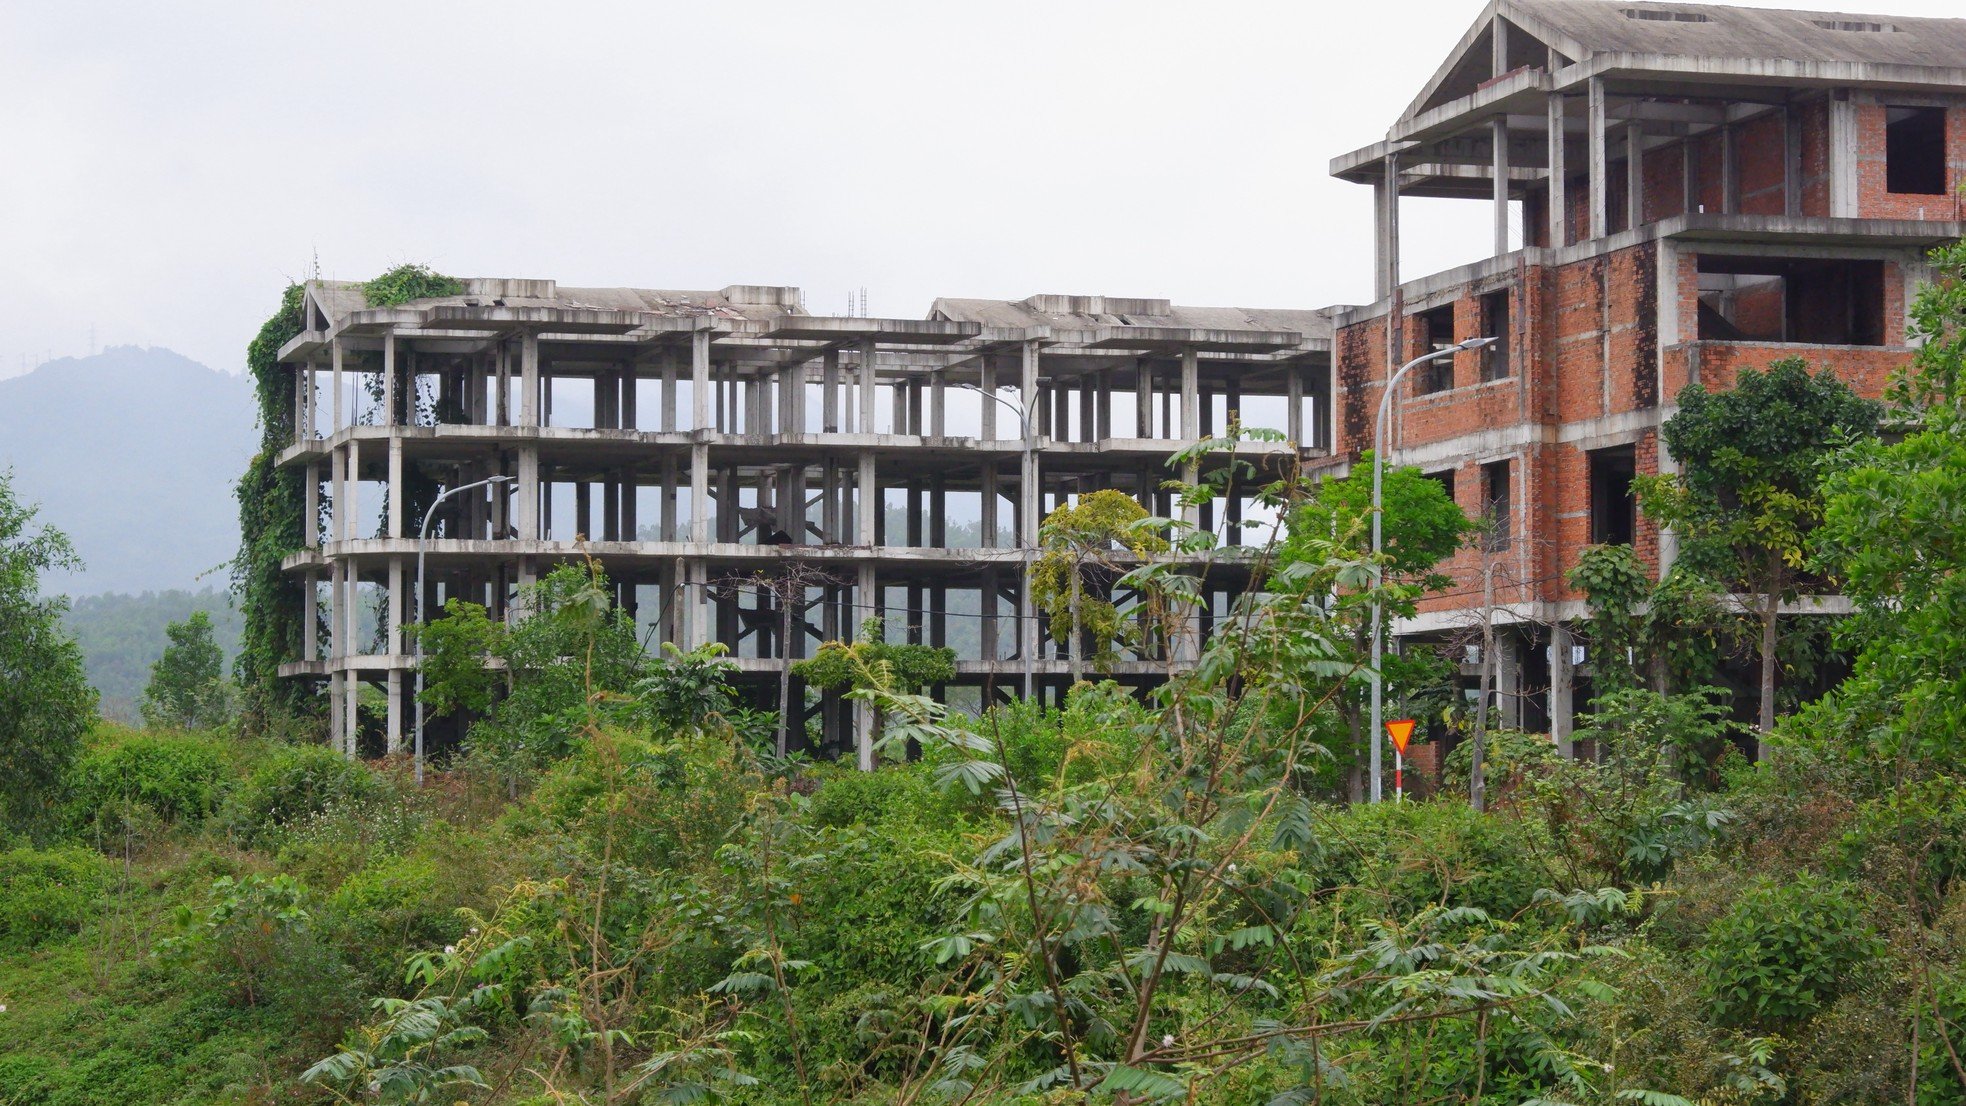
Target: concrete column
[(669, 388), (1599, 166), (1030, 477), (335, 712), (1634, 175), (310, 617), (1842, 153), (938, 405), (1559, 199), (1730, 170), (310, 520), (699, 493), (1190, 421), (389, 379), (987, 505), (1562, 683), (868, 357), (699, 386), (1385, 240), (528, 493), (863, 711), (1498, 131), (1508, 681), (1143, 398), (668, 506), (529, 395), (987, 407), (869, 492), (1293, 391), (829, 392), (396, 486), (393, 737), (334, 349)]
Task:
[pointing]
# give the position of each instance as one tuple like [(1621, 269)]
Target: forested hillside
[(618, 892), (123, 635)]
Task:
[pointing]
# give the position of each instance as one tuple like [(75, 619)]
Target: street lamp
[(1028, 541), (423, 536), (1378, 573)]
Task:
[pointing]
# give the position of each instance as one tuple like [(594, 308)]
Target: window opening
[(1614, 511), (1495, 324), (1436, 333), (1915, 151), (1773, 299), (1496, 504)]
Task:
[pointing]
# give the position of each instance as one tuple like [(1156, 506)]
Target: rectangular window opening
[(1436, 333), (1445, 478), (1614, 512), (1773, 299), (1496, 506), (1915, 151), (1495, 324)]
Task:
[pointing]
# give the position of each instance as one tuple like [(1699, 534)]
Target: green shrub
[(1786, 950), (1403, 857), (175, 778), (293, 784), (1508, 758), (46, 893)]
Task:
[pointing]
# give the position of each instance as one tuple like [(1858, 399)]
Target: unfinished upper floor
[(1593, 118)]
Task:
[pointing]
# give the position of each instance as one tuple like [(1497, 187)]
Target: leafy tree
[(570, 663), (1785, 951), (1326, 557), (456, 648), (1748, 495), (1676, 630), (1074, 574), (46, 703), (683, 690), (1894, 533), (187, 684)]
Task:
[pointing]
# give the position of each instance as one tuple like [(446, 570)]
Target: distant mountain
[(133, 453)]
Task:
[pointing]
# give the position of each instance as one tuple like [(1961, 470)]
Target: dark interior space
[(1915, 151), (1614, 511), (1827, 301)]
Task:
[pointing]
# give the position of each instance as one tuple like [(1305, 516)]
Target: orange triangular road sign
[(1401, 731)]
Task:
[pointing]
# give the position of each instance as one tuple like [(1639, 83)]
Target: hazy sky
[(165, 169)]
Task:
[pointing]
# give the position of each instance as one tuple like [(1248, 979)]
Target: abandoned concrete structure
[(1679, 192), (1701, 189), (688, 440)]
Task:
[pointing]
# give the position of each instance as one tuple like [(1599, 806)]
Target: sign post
[(1401, 731)]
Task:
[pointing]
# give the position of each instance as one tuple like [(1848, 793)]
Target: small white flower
[(3, 1007), (1167, 1040), (474, 931), (450, 950)]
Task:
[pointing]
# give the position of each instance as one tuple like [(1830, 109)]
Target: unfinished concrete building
[(707, 447), (1700, 190)]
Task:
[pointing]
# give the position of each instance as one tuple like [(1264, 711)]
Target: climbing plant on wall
[(271, 503)]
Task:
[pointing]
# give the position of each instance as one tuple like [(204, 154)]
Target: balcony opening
[(1614, 511), (1495, 324), (1772, 299), (1496, 506), (1436, 333), (1915, 151)]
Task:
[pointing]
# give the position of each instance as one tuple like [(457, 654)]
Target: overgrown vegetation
[(617, 891)]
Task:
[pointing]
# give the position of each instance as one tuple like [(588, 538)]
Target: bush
[(174, 778), (1508, 757), (1404, 857), (1785, 951), (292, 784), (46, 893)]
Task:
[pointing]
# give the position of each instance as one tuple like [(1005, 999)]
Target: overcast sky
[(166, 169)]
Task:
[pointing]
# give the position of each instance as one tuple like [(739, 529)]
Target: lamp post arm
[(1378, 737), (422, 539)]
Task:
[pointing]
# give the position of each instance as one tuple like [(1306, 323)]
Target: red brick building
[(1699, 189)]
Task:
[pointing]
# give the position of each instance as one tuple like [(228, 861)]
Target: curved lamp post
[(1027, 542), (422, 536), (1378, 573)]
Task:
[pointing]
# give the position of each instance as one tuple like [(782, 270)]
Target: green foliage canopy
[(187, 684), (46, 703)]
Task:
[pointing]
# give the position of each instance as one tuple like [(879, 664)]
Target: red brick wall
[(1873, 202), (1760, 153)]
